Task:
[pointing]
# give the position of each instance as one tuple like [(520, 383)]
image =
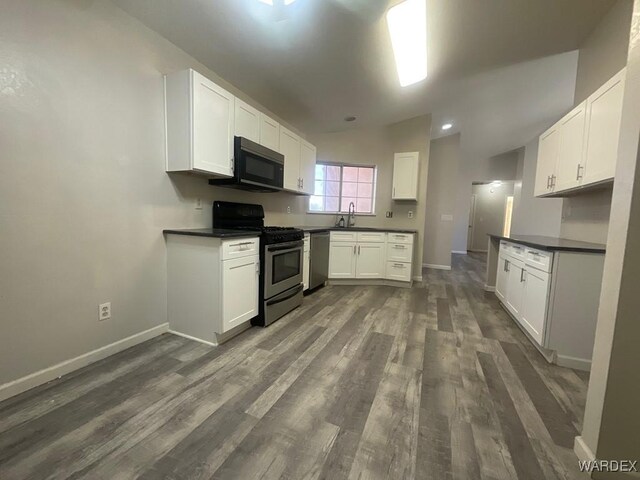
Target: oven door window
[(261, 170), (285, 265)]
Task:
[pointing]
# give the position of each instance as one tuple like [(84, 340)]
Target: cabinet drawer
[(517, 251), (240, 247), (538, 259), (343, 236), (372, 237), (399, 252), (400, 237), (399, 271)]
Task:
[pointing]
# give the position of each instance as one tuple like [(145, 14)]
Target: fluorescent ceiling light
[(407, 24), (447, 126), (270, 2)]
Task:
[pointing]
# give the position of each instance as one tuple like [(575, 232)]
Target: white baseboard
[(573, 362), (46, 375), (582, 451), (489, 288), (436, 267), (477, 251), (417, 278), (195, 339), (459, 252)]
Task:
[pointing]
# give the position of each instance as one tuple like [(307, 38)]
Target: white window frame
[(373, 193)]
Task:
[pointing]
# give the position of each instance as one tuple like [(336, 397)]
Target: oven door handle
[(280, 300), (286, 246)]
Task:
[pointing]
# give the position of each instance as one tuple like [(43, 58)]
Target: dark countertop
[(553, 244), (214, 232), (311, 229)]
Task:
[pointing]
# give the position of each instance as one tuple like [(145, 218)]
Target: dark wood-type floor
[(433, 382)]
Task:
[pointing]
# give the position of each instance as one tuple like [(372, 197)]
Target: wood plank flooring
[(433, 382)]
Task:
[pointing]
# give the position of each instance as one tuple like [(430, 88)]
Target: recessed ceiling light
[(447, 126), (407, 24), (350, 118)]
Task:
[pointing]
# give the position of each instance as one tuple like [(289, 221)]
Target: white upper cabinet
[(548, 148), (247, 121), (290, 148), (570, 168), (269, 133), (200, 125), (405, 176), (582, 148), (308, 156), (604, 116)]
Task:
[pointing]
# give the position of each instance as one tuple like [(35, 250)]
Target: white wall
[(490, 206), (533, 216), (83, 192), (376, 146), (500, 167), (444, 158)]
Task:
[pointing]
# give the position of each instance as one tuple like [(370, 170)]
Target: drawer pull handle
[(401, 247), (399, 265)]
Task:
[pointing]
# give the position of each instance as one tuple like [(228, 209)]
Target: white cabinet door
[(501, 278), (405, 176), (534, 303), (290, 148), (515, 288), (213, 112), (604, 115), (548, 148), (371, 260), (571, 150), (306, 274), (269, 133), (247, 121), (308, 155), (239, 275), (342, 260)]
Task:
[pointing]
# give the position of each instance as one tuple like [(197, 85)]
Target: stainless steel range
[(281, 253)]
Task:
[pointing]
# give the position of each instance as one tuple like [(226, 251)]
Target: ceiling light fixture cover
[(271, 2), (407, 24), (447, 126)]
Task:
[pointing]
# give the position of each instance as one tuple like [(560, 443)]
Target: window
[(339, 185)]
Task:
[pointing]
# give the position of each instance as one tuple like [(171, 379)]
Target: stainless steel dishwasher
[(319, 261)]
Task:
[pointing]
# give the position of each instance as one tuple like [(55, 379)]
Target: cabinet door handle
[(358, 249), (394, 191), (522, 275), (231, 164), (302, 183), (553, 181), (579, 175), (354, 249), (506, 266)]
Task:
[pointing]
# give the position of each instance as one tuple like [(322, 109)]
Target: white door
[(515, 288), (501, 278), (405, 176), (534, 303), (548, 147), (342, 260), (290, 148), (247, 121), (571, 150), (371, 260), (472, 217), (213, 113), (269, 133), (604, 115), (306, 264), (239, 275), (307, 167)]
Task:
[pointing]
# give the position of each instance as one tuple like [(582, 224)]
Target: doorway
[(490, 212)]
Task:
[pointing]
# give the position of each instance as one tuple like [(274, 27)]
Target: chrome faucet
[(351, 216)]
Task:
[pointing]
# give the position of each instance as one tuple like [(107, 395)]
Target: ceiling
[(317, 61)]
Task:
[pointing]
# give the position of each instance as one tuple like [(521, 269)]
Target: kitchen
[(97, 165)]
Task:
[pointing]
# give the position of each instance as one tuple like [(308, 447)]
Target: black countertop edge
[(312, 229), (214, 232), (553, 244)]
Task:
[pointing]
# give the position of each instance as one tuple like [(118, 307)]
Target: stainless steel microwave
[(255, 168)]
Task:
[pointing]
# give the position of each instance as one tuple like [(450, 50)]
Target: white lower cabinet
[(205, 275), (239, 275), (534, 303), (370, 261), (371, 255), (342, 260), (554, 297)]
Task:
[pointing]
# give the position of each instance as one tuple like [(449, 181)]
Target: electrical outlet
[(288, 209), (410, 214), (389, 215), (104, 311), (198, 204)]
